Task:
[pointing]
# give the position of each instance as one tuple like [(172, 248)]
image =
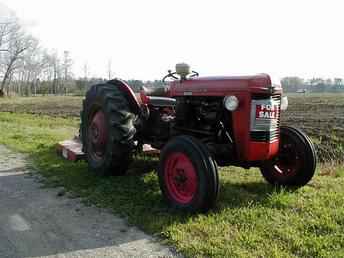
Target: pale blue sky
[(145, 38)]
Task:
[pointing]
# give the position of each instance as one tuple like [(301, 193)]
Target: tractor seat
[(160, 91)]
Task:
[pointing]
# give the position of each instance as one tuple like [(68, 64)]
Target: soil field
[(59, 106), (319, 115)]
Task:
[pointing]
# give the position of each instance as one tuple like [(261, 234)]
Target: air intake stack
[(183, 70)]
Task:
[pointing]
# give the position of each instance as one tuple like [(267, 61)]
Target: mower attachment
[(71, 149)]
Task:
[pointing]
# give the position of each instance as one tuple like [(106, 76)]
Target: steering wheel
[(173, 75), (194, 74), (170, 75)]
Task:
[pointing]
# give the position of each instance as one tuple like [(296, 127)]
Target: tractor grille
[(265, 117), (264, 136)]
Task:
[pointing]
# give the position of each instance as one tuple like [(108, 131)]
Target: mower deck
[(72, 150)]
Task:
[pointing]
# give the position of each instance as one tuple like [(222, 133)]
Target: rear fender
[(129, 94)]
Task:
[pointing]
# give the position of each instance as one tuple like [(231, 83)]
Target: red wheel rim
[(180, 177), (97, 134), (289, 160)]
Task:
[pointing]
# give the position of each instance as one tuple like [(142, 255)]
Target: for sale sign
[(267, 111)]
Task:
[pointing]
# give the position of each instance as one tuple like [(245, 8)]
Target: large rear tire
[(296, 162), (188, 175), (107, 130)]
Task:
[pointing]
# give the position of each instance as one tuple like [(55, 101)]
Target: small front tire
[(295, 163), (188, 175)]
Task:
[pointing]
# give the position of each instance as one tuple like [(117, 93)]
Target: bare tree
[(6, 28), (33, 65), (55, 61), (67, 72), (4, 31), (14, 44), (109, 69), (86, 69), (67, 64), (26, 68)]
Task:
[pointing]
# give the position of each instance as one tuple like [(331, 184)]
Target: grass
[(251, 219)]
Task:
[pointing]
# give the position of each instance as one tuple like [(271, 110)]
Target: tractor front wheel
[(188, 175), (295, 163)]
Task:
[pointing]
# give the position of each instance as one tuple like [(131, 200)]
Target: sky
[(143, 39)]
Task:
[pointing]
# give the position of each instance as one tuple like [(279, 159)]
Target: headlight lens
[(231, 103), (284, 103)]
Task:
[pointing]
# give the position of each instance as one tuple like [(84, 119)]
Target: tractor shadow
[(142, 165), (232, 194), (136, 195), (249, 194)]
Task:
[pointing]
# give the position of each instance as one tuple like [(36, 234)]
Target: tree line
[(297, 84), (26, 68)]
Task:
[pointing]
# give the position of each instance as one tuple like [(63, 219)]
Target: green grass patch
[(251, 219)]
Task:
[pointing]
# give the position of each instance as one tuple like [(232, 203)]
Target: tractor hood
[(223, 85)]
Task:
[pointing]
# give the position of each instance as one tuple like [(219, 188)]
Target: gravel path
[(36, 222)]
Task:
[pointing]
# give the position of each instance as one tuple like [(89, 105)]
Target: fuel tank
[(222, 85)]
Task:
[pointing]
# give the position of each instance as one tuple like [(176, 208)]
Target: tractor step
[(72, 150)]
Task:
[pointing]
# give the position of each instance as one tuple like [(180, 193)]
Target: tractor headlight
[(284, 103), (231, 103)]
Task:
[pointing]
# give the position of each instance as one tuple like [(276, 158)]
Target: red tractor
[(197, 123)]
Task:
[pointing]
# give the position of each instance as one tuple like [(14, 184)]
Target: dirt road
[(37, 222)]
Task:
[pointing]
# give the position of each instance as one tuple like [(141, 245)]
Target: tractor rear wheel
[(107, 130), (188, 175), (296, 161)]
